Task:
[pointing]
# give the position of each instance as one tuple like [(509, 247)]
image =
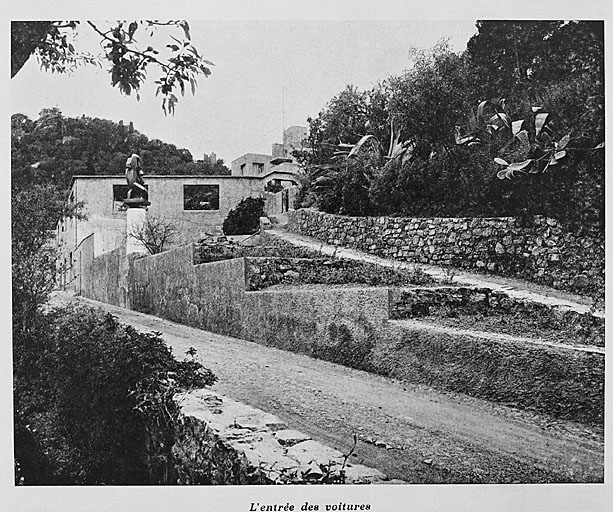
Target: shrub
[(245, 218), (94, 401)]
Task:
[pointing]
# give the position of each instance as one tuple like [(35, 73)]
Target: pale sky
[(268, 75)]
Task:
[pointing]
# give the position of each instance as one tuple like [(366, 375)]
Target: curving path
[(412, 433)]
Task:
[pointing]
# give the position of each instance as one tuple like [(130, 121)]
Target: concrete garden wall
[(351, 325), (105, 278), (539, 251), (336, 324)]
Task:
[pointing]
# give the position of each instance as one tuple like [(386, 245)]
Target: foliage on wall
[(245, 218)]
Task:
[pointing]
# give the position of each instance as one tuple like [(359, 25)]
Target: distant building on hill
[(281, 159)]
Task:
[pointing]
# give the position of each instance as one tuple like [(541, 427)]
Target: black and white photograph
[(343, 258)]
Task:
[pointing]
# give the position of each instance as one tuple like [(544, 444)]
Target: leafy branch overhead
[(178, 63), (535, 136)]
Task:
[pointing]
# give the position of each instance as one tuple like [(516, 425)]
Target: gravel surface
[(412, 433)]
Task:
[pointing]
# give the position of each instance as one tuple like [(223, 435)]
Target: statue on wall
[(137, 192)]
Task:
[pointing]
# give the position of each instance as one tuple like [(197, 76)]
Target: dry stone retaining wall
[(223, 442), (423, 302), (539, 250)]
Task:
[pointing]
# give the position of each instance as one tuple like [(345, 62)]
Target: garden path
[(412, 433), (516, 288)]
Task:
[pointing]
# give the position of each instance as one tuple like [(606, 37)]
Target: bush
[(94, 401), (245, 218)]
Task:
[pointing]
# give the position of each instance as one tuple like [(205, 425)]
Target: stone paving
[(232, 442)]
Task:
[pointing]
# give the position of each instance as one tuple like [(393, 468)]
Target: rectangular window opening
[(201, 197)]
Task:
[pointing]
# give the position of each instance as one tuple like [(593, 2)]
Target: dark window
[(201, 197), (120, 192), (257, 167)]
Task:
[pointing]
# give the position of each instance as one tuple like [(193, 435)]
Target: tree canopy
[(55, 45), (551, 67), (53, 148)]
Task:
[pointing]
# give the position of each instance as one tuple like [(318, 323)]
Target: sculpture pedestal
[(135, 218)]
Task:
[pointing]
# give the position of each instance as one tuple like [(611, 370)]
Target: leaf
[(523, 137), (563, 142), (505, 119), (520, 166), (600, 146), (502, 174), (501, 161), (132, 28), (516, 126), (208, 62), (464, 139), (559, 155), (481, 108), (185, 27), (536, 109), (540, 121)]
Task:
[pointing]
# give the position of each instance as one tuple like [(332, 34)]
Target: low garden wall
[(105, 278), (351, 325), (223, 442), (539, 251), (336, 325), (485, 302)]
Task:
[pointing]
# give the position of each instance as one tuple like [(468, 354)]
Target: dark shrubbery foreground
[(94, 401)]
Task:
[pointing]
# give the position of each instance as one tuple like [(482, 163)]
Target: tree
[(155, 233), (34, 214), (244, 219), (178, 62), (53, 148), (515, 55)]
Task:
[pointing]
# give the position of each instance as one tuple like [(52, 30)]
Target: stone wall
[(105, 278), (352, 326), (265, 272), (485, 302), (336, 325), (539, 251), (222, 442)]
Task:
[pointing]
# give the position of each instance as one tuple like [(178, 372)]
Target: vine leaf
[(520, 166), (540, 121)]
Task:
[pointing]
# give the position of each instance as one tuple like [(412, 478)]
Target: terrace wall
[(539, 250), (351, 325)]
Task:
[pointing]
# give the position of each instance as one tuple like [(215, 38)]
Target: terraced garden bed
[(483, 309), (266, 272), (580, 332), (278, 263)]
